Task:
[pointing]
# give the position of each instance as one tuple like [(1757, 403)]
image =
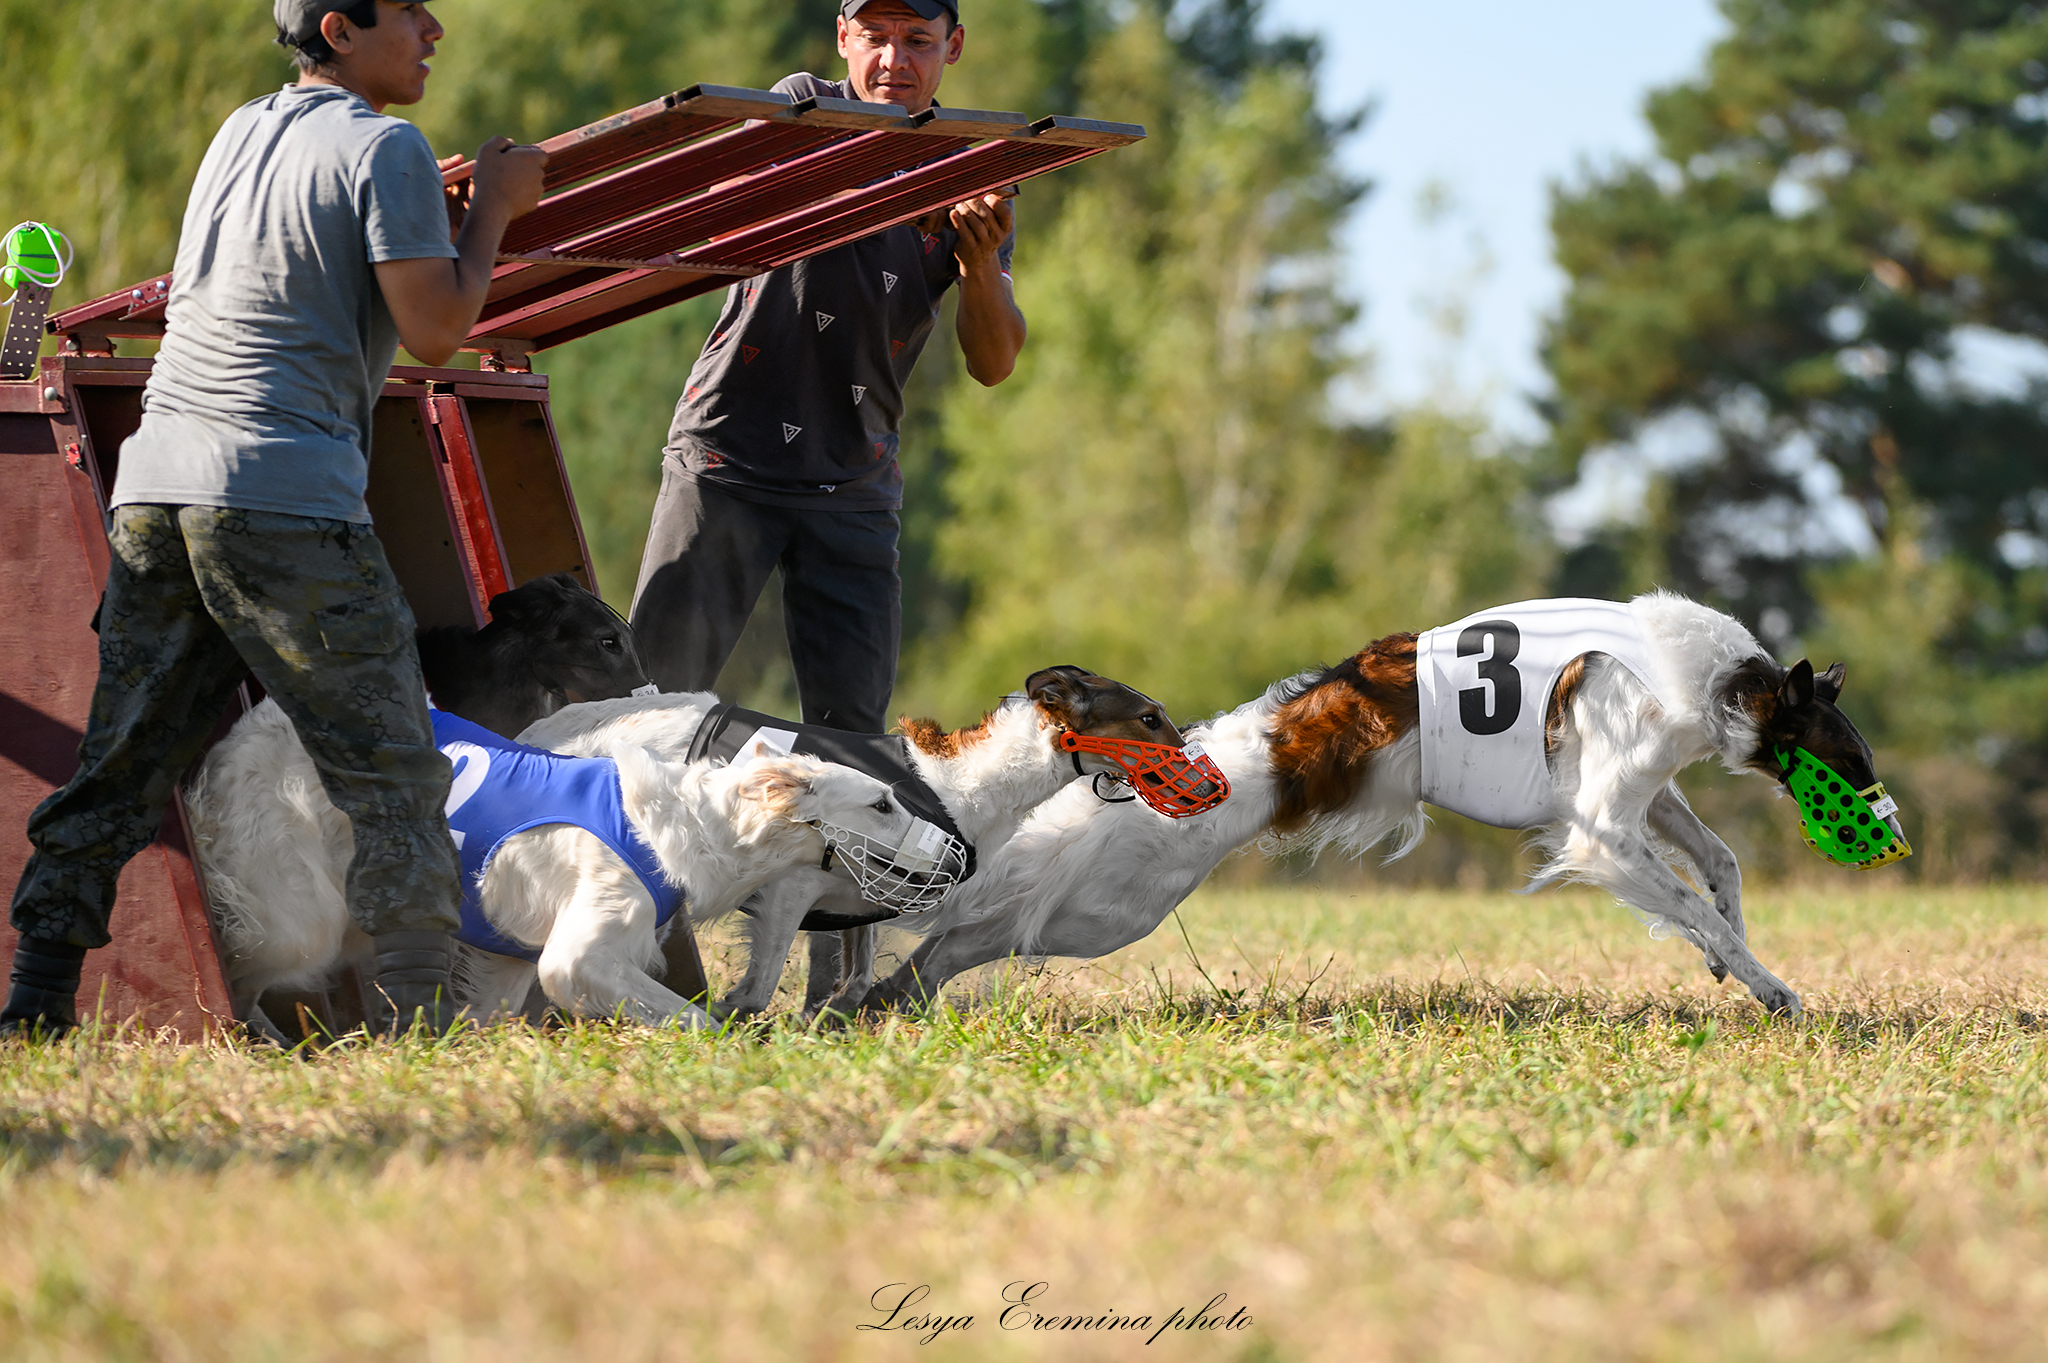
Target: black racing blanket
[(886, 757)]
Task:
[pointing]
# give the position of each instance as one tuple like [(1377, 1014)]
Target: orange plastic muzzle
[(1177, 782)]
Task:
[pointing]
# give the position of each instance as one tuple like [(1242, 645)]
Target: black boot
[(42, 992), (411, 983)]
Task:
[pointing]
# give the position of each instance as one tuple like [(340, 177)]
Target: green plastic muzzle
[(35, 253), (1842, 823)]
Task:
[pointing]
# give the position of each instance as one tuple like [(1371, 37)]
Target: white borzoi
[(1336, 756), (988, 776), (275, 852)]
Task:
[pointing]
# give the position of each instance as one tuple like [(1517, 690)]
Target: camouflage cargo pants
[(311, 607)]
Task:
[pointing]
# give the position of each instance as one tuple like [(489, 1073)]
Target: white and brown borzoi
[(274, 854), (1335, 757), (988, 776)]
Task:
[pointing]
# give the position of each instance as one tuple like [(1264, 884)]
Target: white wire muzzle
[(914, 876)]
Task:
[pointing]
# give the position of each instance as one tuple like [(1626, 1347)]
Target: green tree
[(1852, 192), (1161, 490), (109, 108), (1848, 184)]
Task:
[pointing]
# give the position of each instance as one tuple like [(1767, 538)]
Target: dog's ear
[(1797, 692), (521, 608), (925, 735), (1828, 685), (778, 786), (533, 605), (1061, 693)]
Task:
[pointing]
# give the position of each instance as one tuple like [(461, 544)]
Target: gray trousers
[(709, 555), (310, 606)]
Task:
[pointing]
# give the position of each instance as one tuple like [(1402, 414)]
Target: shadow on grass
[(603, 1101), (1404, 1006), (592, 1145), (590, 1148)]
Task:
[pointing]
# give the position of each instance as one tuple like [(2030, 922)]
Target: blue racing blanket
[(502, 788)]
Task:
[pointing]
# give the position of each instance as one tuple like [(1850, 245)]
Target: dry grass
[(1388, 1126)]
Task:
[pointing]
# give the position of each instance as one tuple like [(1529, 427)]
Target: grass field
[(1428, 1126)]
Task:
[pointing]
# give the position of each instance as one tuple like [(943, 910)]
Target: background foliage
[(1818, 311), (1776, 313)]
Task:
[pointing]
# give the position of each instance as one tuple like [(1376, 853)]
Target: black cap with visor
[(923, 9), (299, 20)]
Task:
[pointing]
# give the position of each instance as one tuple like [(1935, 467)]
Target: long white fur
[(266, 835), (276, 870), (1083, 879), (987, 786)]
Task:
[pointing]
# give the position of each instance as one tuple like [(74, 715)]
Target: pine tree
[(1848, 185)]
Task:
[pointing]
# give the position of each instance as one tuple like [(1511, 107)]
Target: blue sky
[(1489, 102)]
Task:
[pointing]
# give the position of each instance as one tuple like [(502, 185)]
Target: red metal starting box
[(678, 197)]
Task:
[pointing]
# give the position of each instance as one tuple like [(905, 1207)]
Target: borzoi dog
[(1339, 756), (987, 776), (581, 901), (549, 641)]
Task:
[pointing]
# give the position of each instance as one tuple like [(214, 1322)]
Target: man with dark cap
[(783, 448), (315, 240)]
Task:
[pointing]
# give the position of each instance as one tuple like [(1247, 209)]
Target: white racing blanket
[(1485, 686)]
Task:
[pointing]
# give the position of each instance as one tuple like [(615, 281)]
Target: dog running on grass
[(986, 777), (571, 866), (1339, 756)]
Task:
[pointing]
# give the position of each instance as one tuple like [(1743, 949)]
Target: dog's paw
[(828, 1019), (741, 1022), (261, 1032), (721, 1011), (882, 997), (1778, 998)]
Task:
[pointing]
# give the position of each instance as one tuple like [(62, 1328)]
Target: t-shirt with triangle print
[(769, 421)]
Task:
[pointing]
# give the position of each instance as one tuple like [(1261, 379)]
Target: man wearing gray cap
[(783, 448), (316, 239)]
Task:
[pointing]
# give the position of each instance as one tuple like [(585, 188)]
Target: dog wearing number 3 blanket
[(1568, 718), (1483, 685)]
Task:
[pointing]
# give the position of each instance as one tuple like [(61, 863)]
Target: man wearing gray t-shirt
[(315, 241)]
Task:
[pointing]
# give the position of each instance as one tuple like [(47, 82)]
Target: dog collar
[(1843, 824), (1178, 782)]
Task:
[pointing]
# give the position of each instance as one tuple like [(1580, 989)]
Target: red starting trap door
[(678, 197), (469, 498)]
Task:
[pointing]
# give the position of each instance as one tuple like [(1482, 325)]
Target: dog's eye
[(610, 642), (881, 806), (1151, 721)]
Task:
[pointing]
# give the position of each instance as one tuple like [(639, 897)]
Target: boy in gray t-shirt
[(315, 240), (261, 395)]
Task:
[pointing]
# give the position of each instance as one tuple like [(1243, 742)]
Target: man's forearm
[(434, 300), (990, 325), (476, 255)]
